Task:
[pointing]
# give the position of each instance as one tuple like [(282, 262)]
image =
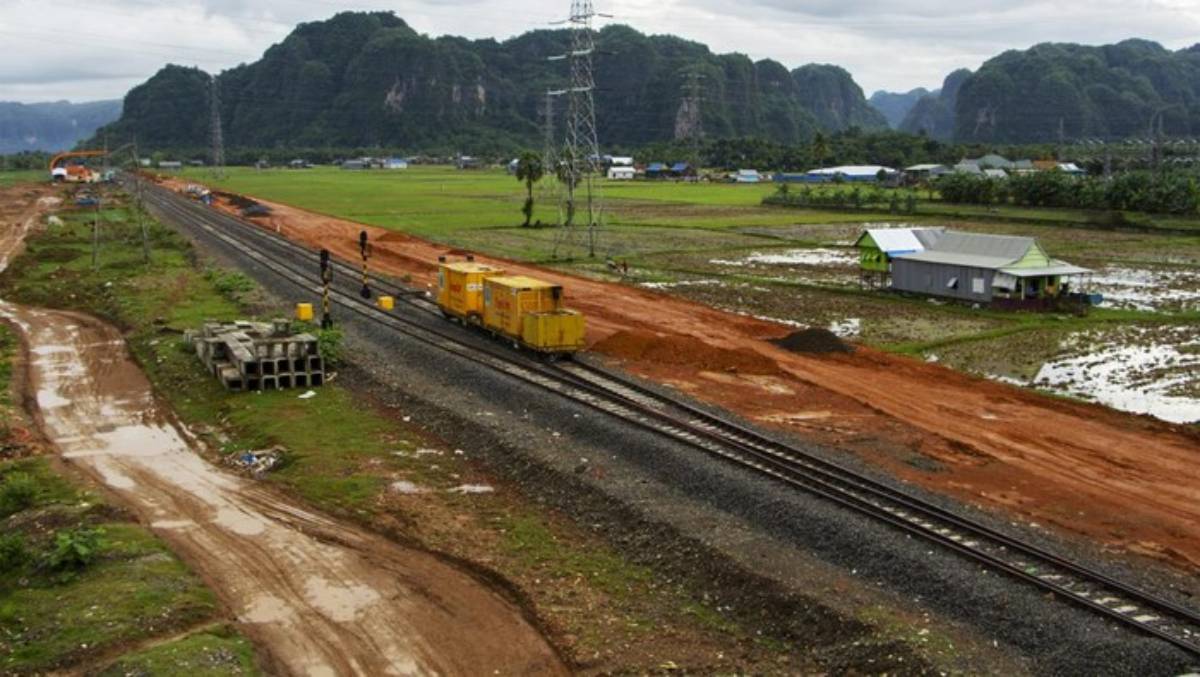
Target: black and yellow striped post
[(365, 250), (326, 281)]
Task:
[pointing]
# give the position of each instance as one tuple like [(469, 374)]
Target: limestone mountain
[(51, 126), (1069, 91), (895, 105), (367, 79), (933, 114)]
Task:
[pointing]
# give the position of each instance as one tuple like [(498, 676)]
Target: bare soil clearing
[(1125, 481), (318, 596)]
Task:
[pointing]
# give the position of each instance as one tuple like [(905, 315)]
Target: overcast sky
[(93, 49)]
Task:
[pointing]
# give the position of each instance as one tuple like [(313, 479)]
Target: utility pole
[(218, 140), (581, 151), (96, 236), (689, 121), (140, 204)]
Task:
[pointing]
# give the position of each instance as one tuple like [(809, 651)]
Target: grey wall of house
[(934, 279)]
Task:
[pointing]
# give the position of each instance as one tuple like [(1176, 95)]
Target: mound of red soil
[(684, 351), (813, 340)]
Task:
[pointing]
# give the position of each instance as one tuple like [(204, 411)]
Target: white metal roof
[(924, 168), (893, 241), (853, 170), (1056, 267)]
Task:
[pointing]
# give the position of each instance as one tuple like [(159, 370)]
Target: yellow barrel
[(304, 312), (387, 302)]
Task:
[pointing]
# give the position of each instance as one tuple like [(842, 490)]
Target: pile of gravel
[(813, 340)]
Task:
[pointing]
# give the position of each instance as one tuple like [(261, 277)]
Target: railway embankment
[(690, 510)]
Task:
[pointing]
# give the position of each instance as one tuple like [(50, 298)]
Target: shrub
[(230, 284), (13, 554), (74, 549), (17, 493), (329, 344)]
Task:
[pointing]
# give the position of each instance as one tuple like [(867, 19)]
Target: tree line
[(1173, 192)]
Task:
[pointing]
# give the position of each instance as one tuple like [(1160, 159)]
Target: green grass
[(8, 349), (210, 653), (134, 589), (539, 549), (10, 177)]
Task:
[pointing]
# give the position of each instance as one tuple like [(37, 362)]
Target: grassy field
[(10, 177), (685, 238)]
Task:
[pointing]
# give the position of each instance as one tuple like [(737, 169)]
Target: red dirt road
[(1125, 481)]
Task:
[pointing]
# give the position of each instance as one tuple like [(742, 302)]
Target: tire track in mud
[(318, 597)]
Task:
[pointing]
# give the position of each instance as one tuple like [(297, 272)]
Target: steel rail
[(1079, 584)]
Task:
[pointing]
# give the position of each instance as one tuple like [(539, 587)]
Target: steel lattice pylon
[(218, 140), (580, 160)]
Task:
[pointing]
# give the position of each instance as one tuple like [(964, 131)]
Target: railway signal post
[(326, 281), (365, 250)]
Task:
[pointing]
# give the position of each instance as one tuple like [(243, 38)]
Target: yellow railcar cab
[(460, 287), (524, 309)]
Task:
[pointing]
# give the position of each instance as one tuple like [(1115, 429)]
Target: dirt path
[(1122, 480), (318, 597)]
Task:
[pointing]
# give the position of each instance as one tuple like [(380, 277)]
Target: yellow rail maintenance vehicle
[(526, 310)]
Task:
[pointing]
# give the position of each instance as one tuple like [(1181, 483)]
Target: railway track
[(685, 423)]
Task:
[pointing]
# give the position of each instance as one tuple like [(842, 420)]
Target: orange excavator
[(61, 170)]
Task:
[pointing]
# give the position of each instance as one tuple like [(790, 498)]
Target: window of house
[(952, 283), (977, 285)]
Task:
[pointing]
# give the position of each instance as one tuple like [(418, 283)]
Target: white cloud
[(88, 49)]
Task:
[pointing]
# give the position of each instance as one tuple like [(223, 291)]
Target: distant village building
[(618, 161), (170, 164), (656, 170), (1003, 270), (846, 173), (355, 165), (924, 172), (995, 173), (621, 173), (683, 170), (747, 176), (467, 162), (395, 163)]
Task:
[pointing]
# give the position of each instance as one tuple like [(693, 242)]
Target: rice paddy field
[(716, 243)]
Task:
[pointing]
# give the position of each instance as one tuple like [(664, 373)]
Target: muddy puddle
[(1148, 289), (1140, 370)]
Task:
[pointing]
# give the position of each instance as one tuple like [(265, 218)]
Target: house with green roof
[(1004, 270)]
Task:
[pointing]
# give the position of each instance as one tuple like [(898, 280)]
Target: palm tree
[(529, 170), (820, 149)]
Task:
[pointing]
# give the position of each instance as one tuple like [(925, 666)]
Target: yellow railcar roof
[(520, 282), (471, 267)]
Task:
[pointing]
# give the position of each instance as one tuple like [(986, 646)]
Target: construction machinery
[(65, 171)]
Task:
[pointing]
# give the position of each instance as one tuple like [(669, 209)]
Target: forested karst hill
[(365, 79), (51, 126), (1076, 91), (933, 114), (896, 105)]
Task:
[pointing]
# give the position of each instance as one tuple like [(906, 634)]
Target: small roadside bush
[(13, 555), (18, 492), (230, 284), (74, 549), (329, 344)]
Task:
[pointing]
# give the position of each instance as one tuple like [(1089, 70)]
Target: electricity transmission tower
[(580, 161), (689, 121), (550, 145), (218, 140)]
